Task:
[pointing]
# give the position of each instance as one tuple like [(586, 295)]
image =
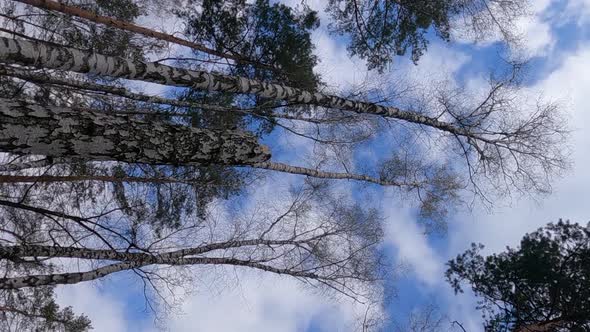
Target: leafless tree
[(99, 178), (316, 237)]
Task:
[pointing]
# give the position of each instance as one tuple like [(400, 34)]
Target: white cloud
[(105, 312), (411, 245), (569, 201), (260, 302), (440, 63), (337, 68), (537, 36), (578, 10), (534, 32)]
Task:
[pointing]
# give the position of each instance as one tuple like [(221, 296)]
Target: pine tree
[(543, 285)]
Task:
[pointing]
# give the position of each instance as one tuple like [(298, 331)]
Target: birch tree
[(521, 150), (106, 179), (114, 22), (31, 23), (31, 309), (42, 24), (62, 132), (316, 236)]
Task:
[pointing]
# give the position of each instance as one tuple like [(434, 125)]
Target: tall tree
[(82, 134), (42, 23), (116, 179), (31, 309), (521, 150), (543, 285), (30, 22), (336, 248)]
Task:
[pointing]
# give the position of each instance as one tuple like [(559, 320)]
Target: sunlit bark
[(31, 129)]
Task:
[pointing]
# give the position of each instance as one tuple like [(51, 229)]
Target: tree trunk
[(43, 78), (24, 251), (278, 167), (548, 326), (127, 26), (43, 55), (64, 278), (129, 261), (27, 128), (284, 168)]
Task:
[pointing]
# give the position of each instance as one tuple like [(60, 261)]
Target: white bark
[(131, 260), (284, 168), (41, 78), (63, 278), (44, 55), (27, 128), (522, 153)]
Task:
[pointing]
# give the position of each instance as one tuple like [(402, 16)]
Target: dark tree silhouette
[(544, 285), (380, 30)]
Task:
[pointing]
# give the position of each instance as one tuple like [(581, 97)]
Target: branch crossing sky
[(558, 40)]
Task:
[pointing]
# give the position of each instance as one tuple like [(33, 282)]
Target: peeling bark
[(27, 128)]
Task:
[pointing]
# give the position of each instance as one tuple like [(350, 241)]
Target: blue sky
[(557, 38)]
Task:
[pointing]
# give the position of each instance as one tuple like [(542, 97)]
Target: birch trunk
[(130, 261), (278, 167), (27, 128), (42, 78), (43, 55), (284, 168), (64, 278), (24, 251), (77, 277), (18, 252)]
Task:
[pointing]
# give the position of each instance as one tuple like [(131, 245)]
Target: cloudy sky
[(558, 40)]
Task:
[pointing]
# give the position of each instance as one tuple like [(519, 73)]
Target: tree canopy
[(255, 31), (380, 30), (542, 285)]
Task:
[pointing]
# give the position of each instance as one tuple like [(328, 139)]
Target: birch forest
[(160, 155)]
